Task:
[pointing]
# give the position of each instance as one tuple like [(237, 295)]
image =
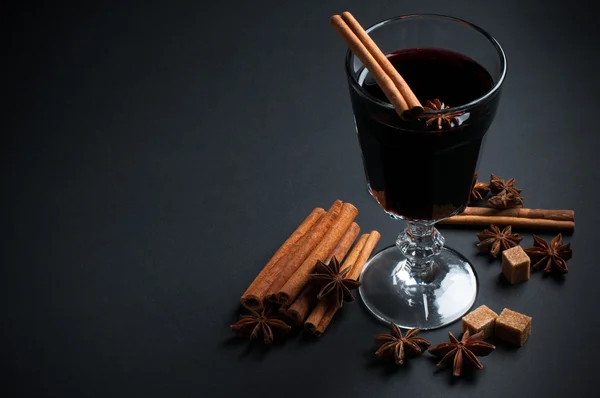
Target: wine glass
[(422, 169)]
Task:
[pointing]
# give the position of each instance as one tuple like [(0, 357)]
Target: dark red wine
[(415, 169)]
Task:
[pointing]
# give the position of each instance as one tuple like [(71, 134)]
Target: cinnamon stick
[(288, 264), (323, 313), (411, 99), (300, 308), (292, 288), (365, 253), (359, 49), (517, 222), (547, 214), (355, 252), (325, 321), (344, 245), (252, 297)]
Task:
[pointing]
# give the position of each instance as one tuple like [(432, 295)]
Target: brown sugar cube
[(513, 327), (515, 265), (480, 319)]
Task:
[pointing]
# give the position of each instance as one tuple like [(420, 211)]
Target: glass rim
[(457, 109)]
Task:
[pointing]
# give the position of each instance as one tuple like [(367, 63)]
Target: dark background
[(154, 155)]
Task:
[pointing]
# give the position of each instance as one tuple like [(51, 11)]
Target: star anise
[(553, 255), (497, 185), (466, 350), (401, 347), (441, 120), (506, 194), (505, 200), (479, 191), (494, 241), (335, 284), (260, 322)]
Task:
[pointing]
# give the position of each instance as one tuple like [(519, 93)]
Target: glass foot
[(390, 291)]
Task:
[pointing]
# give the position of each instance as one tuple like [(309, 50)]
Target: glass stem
[(421, 242)]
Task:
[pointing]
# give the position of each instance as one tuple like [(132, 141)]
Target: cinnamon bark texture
[(253, 296), (344, 245), (292, 288), (325, 310)]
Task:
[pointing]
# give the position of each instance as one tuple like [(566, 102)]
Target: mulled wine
[(422, 168)]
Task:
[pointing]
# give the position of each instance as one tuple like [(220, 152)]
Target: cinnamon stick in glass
[(300, 308), (289, 263), (323, 313), (292, 288), (411, 99), (370, 61), (547, 214)]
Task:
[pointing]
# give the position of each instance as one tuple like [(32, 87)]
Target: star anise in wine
[(494, 241), (505, 200), (260, 323), (553, 255), (401, 347), (467, 349), (335, 284), (440, 120)]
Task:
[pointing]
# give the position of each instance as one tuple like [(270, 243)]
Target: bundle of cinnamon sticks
[(285, 278)]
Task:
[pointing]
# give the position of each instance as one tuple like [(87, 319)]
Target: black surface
[(155, 155)]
